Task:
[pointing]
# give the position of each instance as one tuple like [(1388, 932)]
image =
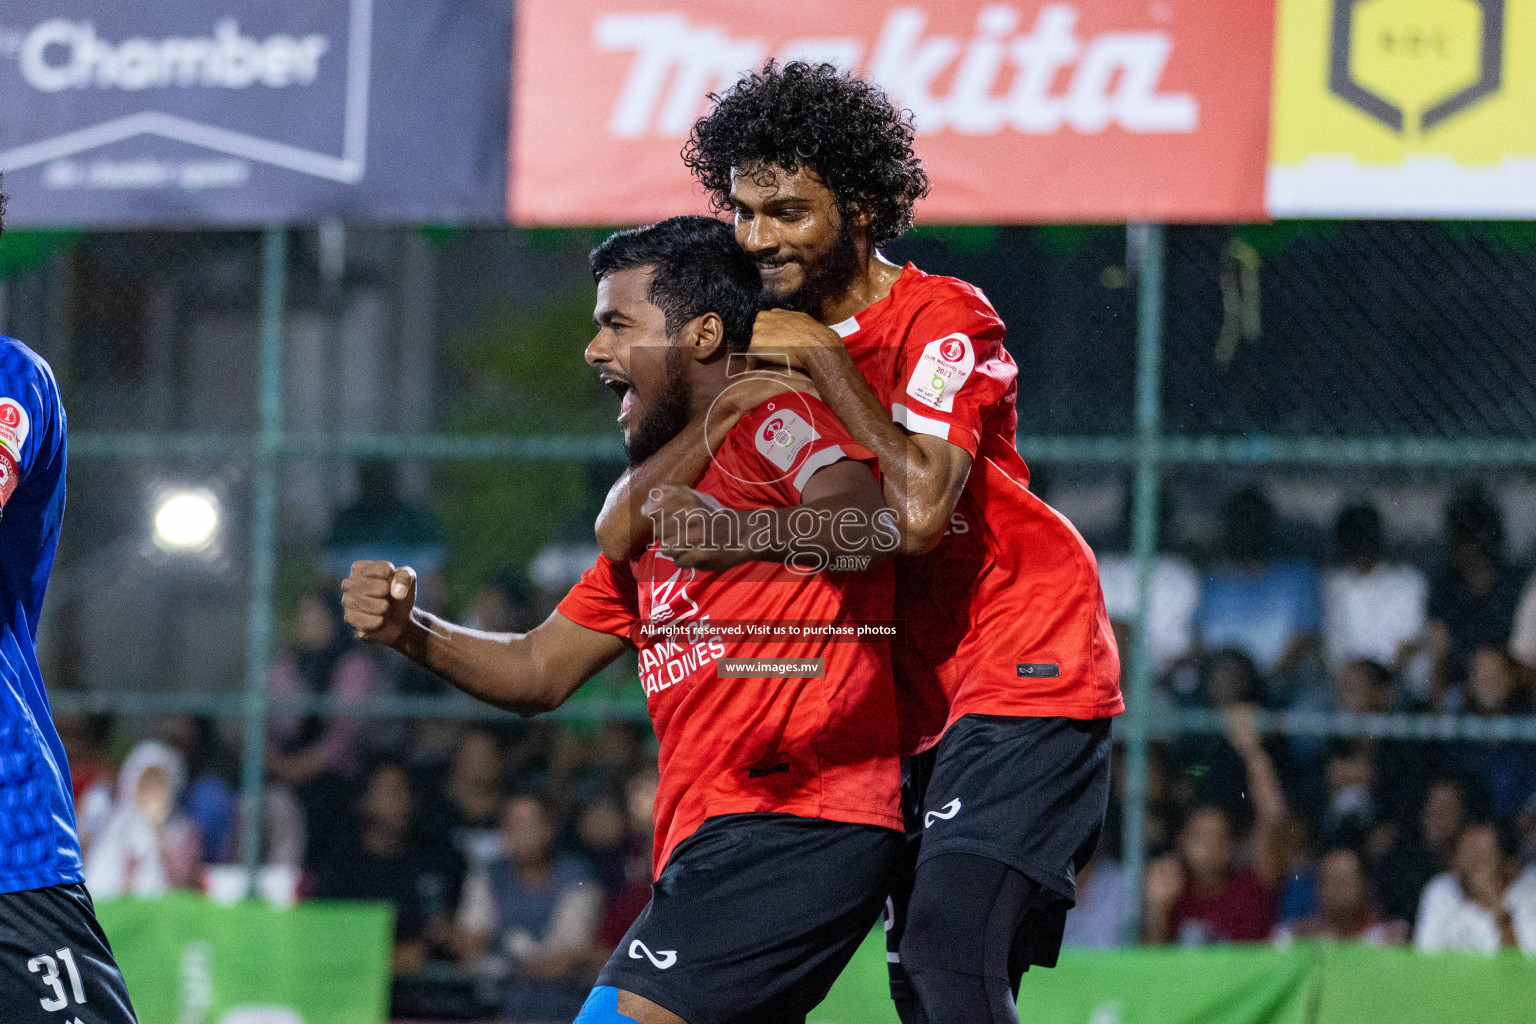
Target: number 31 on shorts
[(48, 967)]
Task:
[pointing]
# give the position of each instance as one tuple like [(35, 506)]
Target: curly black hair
[(812, 115), (2, 204)]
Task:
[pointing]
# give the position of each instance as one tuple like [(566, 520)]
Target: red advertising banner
[(1080, 110)]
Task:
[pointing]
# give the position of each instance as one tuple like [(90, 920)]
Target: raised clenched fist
[(377, 599)]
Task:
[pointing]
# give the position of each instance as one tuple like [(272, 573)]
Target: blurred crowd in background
[(516, 853), (1385, 841)]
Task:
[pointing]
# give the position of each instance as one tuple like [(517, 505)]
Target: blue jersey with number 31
[(38, 847)]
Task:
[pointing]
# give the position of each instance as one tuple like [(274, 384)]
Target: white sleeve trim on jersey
[(820, 460), (918, 423)]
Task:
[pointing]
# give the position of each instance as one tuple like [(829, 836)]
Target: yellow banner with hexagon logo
[(1412, 108)]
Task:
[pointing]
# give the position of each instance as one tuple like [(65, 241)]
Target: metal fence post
[(1145, 242), (258, 640)]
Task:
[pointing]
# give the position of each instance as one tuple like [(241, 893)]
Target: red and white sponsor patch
[(782, 437), (10, 476), (15, 424), (941, 371)]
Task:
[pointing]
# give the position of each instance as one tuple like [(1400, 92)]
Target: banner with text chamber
[(179, 114)]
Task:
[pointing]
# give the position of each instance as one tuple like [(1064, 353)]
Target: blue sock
[(602, 1007)]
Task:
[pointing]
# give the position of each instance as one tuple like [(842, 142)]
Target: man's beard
[(667, 417), (824, 278)]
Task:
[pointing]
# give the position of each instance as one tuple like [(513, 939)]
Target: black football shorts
[(55, 964), (1030, 793), (755, 916)]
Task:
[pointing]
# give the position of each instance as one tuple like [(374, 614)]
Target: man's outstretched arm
[(526, 673), (922, 476)]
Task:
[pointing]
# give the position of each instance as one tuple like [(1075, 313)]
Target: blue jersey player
[(55, 965)]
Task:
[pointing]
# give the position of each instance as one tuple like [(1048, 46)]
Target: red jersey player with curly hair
[(1008, 674)]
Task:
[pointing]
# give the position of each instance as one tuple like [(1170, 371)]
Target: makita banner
[(178, 112), (1067, 110)]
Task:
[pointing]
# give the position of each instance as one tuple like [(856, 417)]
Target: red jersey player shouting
[(1009, 673), (778, 813)]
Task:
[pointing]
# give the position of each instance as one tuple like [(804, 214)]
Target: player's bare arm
[(1265, 792), (842, 511), (922, 476), (623, 529), (526, 673)]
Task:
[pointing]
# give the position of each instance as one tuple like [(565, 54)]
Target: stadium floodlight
[(186, 519)]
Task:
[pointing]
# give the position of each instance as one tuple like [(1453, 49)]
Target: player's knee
[(929, 913), (938, 935)]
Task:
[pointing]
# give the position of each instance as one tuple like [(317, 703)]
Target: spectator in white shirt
[(1482, 905), (1522, 642), (1174, 596), (1371, 610), (147, 846)]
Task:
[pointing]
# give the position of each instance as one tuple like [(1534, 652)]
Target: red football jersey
[(814, 747), (1005, 616)]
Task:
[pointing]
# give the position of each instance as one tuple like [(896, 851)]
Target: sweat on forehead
[(780, 179)]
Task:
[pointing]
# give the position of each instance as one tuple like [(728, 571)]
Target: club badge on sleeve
[(9, 476), (782, 437), (941, 371), (14, 425)]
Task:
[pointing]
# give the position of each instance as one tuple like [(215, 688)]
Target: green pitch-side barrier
[(189, 961), (1236, 985)]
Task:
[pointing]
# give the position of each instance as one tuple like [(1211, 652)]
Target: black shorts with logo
[(55, 964), (755, 916), (1030, 793)]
